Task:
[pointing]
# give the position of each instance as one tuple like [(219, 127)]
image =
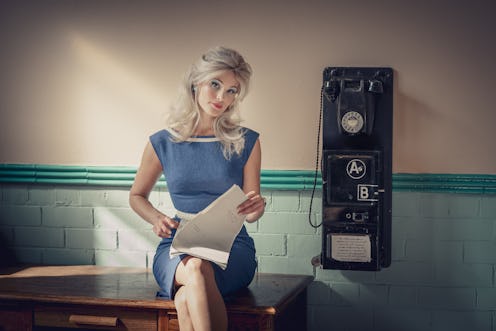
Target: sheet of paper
[(211, 233), (350, 248)]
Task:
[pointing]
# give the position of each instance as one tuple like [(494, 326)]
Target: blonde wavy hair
[(184, 117)]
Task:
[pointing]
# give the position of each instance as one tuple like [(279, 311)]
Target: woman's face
[(218, 93)]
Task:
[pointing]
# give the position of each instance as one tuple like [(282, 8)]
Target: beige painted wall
[(86, 82)]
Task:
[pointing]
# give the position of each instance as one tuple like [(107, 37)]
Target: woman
[(202, 153)]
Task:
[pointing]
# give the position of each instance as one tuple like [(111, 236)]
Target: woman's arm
[(254, 207), (147, 175)]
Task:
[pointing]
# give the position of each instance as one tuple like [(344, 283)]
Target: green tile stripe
[(271, 179), (455, 183), (124, 176)]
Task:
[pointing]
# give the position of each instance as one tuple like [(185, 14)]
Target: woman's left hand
[(253, 207)]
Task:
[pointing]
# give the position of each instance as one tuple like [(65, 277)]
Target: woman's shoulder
[(162, 137), (250, 133), (251, 137), (163, 133)]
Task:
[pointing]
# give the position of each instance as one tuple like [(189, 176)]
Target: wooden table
[(118, 298)]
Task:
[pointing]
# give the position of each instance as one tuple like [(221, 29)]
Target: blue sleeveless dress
[(197, 173)]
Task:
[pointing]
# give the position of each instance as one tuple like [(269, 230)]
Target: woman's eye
[(215, 84), (232, 91)]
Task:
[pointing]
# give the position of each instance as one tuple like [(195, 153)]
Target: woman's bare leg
[(206, 306), (183, 316)]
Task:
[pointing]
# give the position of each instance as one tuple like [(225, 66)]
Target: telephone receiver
[(332, 88)]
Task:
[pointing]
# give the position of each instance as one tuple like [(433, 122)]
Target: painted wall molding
[(271, 179)]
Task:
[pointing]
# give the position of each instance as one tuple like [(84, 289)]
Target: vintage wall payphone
[(357, 105)]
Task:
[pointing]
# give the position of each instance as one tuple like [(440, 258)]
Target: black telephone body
[(356, 166)]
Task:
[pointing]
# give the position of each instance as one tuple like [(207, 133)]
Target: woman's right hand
[(163, 225)]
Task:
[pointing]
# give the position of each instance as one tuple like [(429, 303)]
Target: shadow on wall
[(8, 258)]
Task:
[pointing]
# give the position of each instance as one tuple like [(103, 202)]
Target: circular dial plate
[(352, 122)]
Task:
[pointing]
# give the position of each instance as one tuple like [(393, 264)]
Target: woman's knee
[(197, 266), (192, 270)]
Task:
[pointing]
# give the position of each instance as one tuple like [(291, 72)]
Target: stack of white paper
[(210, 233)]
